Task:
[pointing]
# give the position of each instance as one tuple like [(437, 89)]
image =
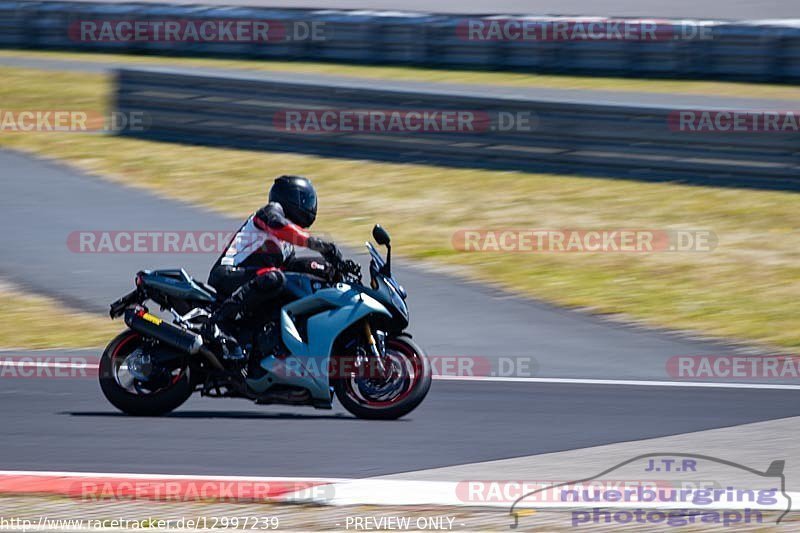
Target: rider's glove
[(327, 249)]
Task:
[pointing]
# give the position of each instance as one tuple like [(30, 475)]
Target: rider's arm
[(271, 219)]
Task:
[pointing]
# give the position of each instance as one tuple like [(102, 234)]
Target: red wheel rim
[(410, 356)]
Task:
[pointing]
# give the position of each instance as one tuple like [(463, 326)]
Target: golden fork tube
[(374, 347), (368, 331)]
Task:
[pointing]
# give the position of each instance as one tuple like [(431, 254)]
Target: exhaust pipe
[(181, 339)]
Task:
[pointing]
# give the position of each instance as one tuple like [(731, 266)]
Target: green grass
[(28, 321), (711, 88), (746, 289)]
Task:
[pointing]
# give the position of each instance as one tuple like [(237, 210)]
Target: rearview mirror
[(380, 235)]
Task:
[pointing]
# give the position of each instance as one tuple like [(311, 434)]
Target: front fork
[(373, 348)]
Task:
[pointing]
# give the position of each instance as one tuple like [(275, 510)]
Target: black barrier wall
[(715, 146), (753, 51)]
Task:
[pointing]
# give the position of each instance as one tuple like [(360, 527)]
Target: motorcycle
[(326, 338)]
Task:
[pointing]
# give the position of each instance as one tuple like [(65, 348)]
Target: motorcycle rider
[(249, 273)]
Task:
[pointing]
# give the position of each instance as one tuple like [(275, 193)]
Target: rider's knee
[(271, 280)]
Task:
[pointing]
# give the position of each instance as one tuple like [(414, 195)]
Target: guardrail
[(337, 119), (754, 51)]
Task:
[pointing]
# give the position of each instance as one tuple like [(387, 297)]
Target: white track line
[(623, 382), (500, 379)]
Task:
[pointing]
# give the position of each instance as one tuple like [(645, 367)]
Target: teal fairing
[(328, 312)]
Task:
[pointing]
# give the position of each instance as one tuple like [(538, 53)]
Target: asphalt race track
[(65, 424), (708, 9)]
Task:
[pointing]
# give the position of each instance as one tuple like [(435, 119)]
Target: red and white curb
[(320, 491)]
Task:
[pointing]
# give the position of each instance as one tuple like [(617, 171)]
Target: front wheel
[(388, 399), (136, 386)]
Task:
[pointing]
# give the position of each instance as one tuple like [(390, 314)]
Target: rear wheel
[(133, 382), (387, 399)]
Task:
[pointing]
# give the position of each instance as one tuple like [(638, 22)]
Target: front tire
[(154, 403), (416, 373)]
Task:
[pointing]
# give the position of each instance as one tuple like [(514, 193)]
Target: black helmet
[(297, 196)]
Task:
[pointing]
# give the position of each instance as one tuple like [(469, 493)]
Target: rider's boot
[(252, 295), (216, 328), (267, 342)]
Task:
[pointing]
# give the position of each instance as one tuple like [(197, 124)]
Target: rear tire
[(420, 384), (154, 404)]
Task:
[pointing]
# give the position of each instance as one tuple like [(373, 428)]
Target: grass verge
[(746, 289), (22, 325), (511, 79)]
